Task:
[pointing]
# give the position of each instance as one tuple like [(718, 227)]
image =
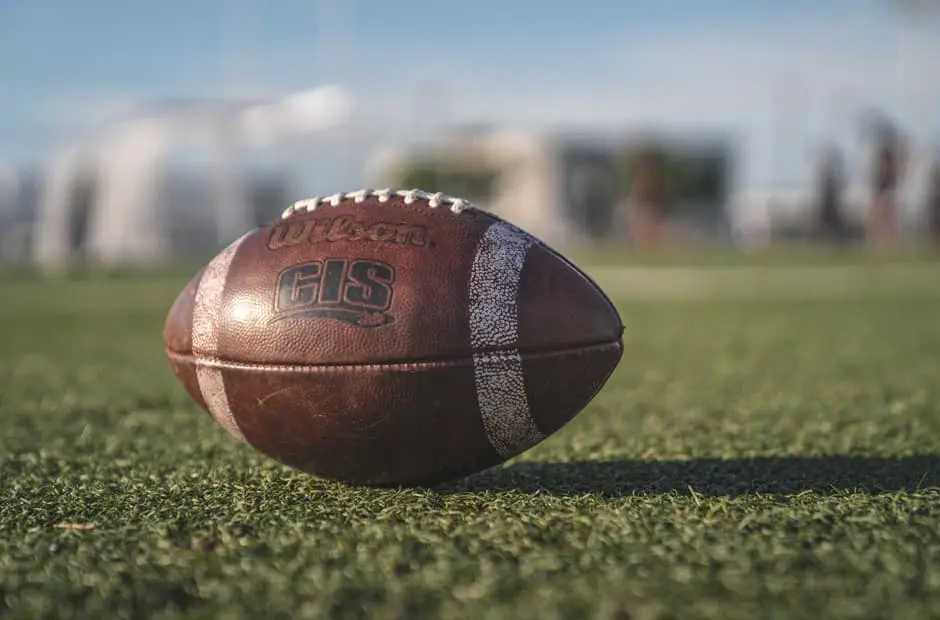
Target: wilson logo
[(357, 291), (345, 228)]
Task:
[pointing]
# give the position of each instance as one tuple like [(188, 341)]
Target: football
[(391, 338)]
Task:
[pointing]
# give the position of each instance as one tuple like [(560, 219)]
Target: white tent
[(124, 220)]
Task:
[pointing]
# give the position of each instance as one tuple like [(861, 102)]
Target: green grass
[(768, 448)]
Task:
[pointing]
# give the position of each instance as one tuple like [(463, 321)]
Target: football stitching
[(408, 196)]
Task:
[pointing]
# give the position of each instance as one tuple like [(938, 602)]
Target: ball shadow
[(711, 477)]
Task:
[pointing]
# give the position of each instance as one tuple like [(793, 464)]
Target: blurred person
[(83, 201), (890, 159), (831, 184), (645, 205), (596, 193)]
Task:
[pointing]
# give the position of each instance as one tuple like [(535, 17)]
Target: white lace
[(434, 200)]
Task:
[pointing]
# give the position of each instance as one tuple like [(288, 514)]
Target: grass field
[(769, 447)]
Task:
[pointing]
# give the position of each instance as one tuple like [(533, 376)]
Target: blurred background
[(151, 133)]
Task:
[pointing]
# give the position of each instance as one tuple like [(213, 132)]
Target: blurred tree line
[(475, 183)]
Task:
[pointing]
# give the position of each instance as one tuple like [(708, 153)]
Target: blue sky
[(780, 76)]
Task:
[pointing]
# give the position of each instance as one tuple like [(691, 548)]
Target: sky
[(779, 78)]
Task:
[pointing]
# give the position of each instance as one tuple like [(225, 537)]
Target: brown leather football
[(391, 337)]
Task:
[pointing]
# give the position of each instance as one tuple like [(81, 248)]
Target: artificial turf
[(755, 455)]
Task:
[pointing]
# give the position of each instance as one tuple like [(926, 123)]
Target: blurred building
[(175, 181), (564, 188)]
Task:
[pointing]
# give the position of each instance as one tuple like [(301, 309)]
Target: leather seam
[(216, 362)]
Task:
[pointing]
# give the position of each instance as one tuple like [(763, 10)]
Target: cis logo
[(355, 291)]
